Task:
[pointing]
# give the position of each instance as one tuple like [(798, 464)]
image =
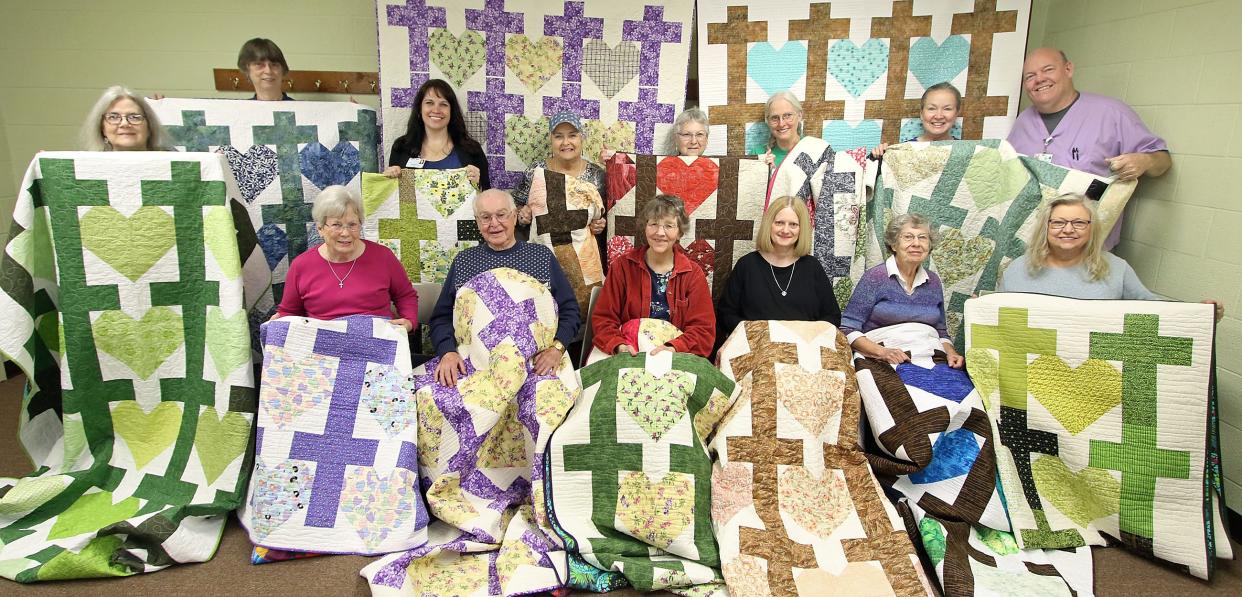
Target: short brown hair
[(258, 49), (662, 206)]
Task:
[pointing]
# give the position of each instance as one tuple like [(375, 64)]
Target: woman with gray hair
[(121, 120), (900, 290), (1065, 257), (657, 280), (783, 113), (688, 135), (347, 275)]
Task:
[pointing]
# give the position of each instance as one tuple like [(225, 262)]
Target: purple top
[(1095, 128), (880, 300)]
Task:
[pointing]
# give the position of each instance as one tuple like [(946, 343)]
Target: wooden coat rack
[(306, 81)]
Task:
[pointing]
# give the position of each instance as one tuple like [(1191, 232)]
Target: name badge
[(415, 163), (1044, 157)]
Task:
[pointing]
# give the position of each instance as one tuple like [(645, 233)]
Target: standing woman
[(940, 107), (783, 113), (121, 120), (657, 280), (565, 137), (781, 280), (688, 136), (436, 137), (263, 64)]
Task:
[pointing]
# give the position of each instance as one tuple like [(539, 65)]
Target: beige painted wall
[(1177, 63)]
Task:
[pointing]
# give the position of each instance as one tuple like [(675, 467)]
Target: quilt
[(121, 301), (621, 66), (858, 66), (723, 197), (426, 217), (562, 208), (833, 185), (982, 197), (630, 480), (794, 502), (336, 458), (481, 451), (281, 155), (1106, 422)]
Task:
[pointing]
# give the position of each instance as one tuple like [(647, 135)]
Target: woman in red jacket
[(657, 280)]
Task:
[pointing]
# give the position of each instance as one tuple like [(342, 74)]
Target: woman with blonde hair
[(121, 120), (781, 280)]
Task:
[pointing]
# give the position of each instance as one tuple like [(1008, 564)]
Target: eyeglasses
[(699, 136), (779, 118), (338, 227), (117, 117), (500, 216), (909, 238), (662, 226), (1061, 224)]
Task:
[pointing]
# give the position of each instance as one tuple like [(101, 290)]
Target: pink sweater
[(378, 281)]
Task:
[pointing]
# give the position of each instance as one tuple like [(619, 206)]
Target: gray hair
[(508, 196), (335, 201), (915, 221), (686, 117), (788, 96), (91, 137)]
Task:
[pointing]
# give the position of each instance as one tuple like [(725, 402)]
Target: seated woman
[(347, 275), (941, 105), (263, 64), (436, 138), (900, 290), (781, 280), (1065, 257), (121, 120), (565, 136), (688, 136), (656, 279)]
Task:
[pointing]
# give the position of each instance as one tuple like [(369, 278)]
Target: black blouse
[(752, 293)]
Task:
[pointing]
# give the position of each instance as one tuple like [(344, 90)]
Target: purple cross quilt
[(621, 66), (481, 451), (336, 465)]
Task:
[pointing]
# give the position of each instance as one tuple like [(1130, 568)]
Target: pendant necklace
[(785, 290), (340, 282)]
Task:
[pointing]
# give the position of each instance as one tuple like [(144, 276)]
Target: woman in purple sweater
[(900, 290)]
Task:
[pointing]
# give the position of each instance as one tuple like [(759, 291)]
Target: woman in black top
[(436, 137), (781, 280)]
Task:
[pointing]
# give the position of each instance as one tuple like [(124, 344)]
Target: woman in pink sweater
[(347, 275)]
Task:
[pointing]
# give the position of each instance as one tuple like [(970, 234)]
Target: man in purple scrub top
[(1083, 131)]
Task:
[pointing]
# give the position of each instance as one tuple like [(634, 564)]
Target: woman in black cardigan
[(436, 137)]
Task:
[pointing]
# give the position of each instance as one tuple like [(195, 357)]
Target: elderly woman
[(781, 280), (783, 113), (565, 137), (688, 135), (1065, 257), (657, 280), (436, 137), (121, 120), (347, 275), (263, 64), (938, 112), (900, 290)]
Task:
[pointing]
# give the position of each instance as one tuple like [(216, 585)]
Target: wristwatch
[(559, 346)]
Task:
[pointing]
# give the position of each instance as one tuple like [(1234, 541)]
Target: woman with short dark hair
[(263, 64)]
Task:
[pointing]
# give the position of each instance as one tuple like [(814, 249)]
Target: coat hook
[(289, 84), (317, 84), (372, 86), (345, 86), (236, 81)]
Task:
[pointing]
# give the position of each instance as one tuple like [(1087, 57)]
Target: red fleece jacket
[(627, 295)]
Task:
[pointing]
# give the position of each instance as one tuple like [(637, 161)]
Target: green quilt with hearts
[(1107, 421), (982, 197), (121, 300), (631, 476)]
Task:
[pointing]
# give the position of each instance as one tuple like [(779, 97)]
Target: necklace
[(785, 290), (340, 282)]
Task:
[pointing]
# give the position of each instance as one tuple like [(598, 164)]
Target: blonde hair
[(1037, 248), (764, 239), (788, 96), (91, 137)]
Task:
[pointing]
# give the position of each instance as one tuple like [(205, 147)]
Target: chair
[(587, 331), (428, 294)]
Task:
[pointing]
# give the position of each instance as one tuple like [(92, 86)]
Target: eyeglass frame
[(1077, 225), (699, 136), (116, 118), (779, 118), (500, 216), (337, 227)]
